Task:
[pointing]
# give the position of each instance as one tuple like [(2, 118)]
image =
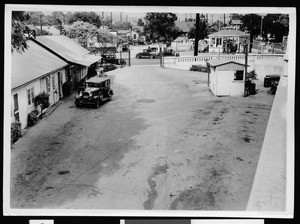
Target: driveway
[(163, 142)]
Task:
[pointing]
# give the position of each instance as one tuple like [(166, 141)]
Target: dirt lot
[(164, 142)]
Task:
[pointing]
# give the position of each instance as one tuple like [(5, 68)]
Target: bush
[(32, 118), (42, 100), (15, 131), (109, 67), (200, 68), (252, 75), (67, 88)]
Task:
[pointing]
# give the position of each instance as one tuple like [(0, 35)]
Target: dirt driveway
[(164, 142)]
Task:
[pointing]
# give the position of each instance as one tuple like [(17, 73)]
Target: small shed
[(226, 78)]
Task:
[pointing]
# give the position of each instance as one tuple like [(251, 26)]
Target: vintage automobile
[(168, 53), (111, 58), (147, 53), (97, 90)]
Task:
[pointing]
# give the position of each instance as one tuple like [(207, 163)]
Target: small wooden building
[(226, 78)]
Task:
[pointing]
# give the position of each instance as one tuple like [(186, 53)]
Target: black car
[(168, 53), (146, 54), (111, 58), (96, 91)]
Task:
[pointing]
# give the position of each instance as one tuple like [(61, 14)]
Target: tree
[(252, 23), (18, 31), (35, 18), (89, 17), (202, 29), (214, 27), (81, 31), (235, 16), (277, 25), (140, 22), (161, 26)]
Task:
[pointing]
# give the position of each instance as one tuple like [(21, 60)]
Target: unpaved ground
[(164, 142)]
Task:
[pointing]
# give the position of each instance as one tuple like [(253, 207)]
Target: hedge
[(199, 68), (15, 131)]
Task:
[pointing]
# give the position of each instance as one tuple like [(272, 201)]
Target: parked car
[(168, 53), (97, 90), (111, 58), (147, 53)]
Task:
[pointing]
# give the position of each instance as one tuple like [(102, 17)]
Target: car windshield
[(92, 84)]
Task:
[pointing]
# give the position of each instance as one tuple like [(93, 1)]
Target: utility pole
[(224, 18), (111, 20), (197, 34), (246, 62), (41, 24), (103, 20)]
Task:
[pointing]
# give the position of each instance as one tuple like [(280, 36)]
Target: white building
[(226, 78), (182, 44), (34, 71)]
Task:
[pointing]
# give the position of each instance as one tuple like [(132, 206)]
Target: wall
[(24, 108), (262, 64)]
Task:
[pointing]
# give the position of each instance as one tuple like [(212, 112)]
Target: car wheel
[(151, 57), (97, 104)]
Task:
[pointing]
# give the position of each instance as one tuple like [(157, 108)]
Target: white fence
[(263, 64)]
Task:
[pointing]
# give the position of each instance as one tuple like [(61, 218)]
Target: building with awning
[(32, 72), (227, 38), (79, 58)]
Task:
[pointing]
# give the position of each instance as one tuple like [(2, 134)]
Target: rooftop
[(236, 33), (219, 62), (68, 49), (97, 79), (24, 66)]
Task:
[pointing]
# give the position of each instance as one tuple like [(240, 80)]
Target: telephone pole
[(197, 34)]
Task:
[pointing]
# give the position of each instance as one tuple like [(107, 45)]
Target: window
[(30, 95), (239, 75)]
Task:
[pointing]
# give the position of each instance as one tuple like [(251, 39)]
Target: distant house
[(34, 71), (185, 27), (226, 78), (79, 58), (181, 44), (236, 23), (218, 41)]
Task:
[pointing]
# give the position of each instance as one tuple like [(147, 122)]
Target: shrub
[(15, 131), (109, 67), (42, 100), (67, 88), (252, 75), (32, 118), (199, 68)]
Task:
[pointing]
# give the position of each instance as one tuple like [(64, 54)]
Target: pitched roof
[(68, 49), (32, 64), (229, 33), (219, 62), (180, 39), (185, 26)]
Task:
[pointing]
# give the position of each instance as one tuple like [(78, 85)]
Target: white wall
[(24, 108)]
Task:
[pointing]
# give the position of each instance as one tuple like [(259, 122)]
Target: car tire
[(97, 104), (151, 57)]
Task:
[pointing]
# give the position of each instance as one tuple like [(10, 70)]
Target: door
[(223, 83), (16, 108)]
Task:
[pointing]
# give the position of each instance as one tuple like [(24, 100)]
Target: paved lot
[(163, 142)]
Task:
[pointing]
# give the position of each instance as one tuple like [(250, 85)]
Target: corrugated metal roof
[(68, 49), (32, 64), (219, 62), (229, 33)]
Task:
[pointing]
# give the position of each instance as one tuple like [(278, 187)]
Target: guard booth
[(226, 78)]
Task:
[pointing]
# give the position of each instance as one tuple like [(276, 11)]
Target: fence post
[(129, 61)]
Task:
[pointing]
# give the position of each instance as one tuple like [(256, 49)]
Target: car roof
[(97, 79)]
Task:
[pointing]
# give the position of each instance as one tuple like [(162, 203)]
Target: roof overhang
[(86, 60)]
